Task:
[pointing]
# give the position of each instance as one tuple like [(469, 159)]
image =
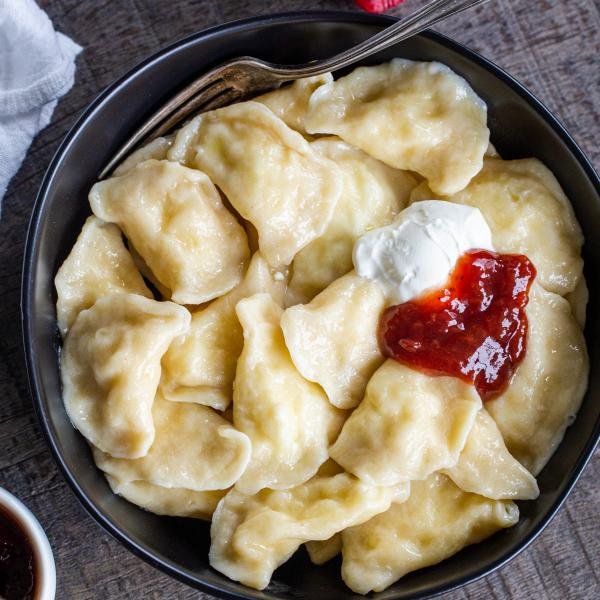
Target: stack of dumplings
[(221, 355)]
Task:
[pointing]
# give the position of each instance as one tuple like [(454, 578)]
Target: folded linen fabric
[(37, 66)]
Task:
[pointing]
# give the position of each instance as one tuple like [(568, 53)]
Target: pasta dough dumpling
[(110, 369), (194, 448), (373, 194), (268, 172), (252, 535), (172, 502), (408, 426), (417, 116), (333, 339), (323, 551), (156, 149), (528, 214), (288, 419), (98, 265), (290, 102), (548, 386), (200, 366), (438, 520), (486, 467), (176, 220)]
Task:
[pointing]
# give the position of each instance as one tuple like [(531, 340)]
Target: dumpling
[(578, 299), (288, 419), (194, 448), (98, 265), (372, 196), (252, 535), (290, 102), (486, 467), (200, 366), (548, 386), (156, 149), (172, 502), (268, 172), (176, 220), (333, 339), (409, 425), (416, 116), (110, 369), (321, 552), (438, 520), (529, 214)]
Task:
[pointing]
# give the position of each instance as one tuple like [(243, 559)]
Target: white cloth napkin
[(37, 66)]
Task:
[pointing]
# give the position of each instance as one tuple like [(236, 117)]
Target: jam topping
[(16, 561), (475, 328)]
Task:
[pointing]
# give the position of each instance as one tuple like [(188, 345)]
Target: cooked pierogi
[(193, 448), (529, 214), (408, 426), (416, 116), (486, 467), (333, 339), (177, 222), (172, 502), (373, 194), (110, 368), (156, 149), (547, 388), (288, 419), (323, 551), (290, 102), (438, 520), (98, 265), (200, 366), (268, 172), (257, 393), (252, 535)]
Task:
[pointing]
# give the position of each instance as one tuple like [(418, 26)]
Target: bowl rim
[(32, 247)]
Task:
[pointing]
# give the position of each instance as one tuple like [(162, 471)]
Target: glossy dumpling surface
[(156, 149), (194, 448), (290, 102), (252, 535), (438, 520), (288, 419), (200, 366), (486, 467), (529, 214), (416, 116), (98, 265), (547, 388), (176, 220), (172, 502), (333, 339), (110, 369), (373, 194), (408, 426), (268, 172)]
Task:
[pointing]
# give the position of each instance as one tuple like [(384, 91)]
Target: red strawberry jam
[(475, 328)]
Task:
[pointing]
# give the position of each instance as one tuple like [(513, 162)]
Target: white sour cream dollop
[(417, 252)]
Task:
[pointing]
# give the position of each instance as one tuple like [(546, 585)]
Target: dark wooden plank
[(550, 45)]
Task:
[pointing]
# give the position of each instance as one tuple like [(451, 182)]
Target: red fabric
[(377, 6)]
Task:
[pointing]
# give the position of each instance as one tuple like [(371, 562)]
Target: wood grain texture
[(550, 45)]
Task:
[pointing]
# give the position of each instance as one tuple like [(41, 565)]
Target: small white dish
[(44, 569)]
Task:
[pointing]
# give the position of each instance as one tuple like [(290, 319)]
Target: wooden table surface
[(552, 46)]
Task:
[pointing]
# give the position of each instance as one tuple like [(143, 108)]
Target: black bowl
[(521, 127)]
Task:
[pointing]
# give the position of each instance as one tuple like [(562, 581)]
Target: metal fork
[(244, 77)]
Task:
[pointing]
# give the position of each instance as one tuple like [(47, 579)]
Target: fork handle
[(428, 15)]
